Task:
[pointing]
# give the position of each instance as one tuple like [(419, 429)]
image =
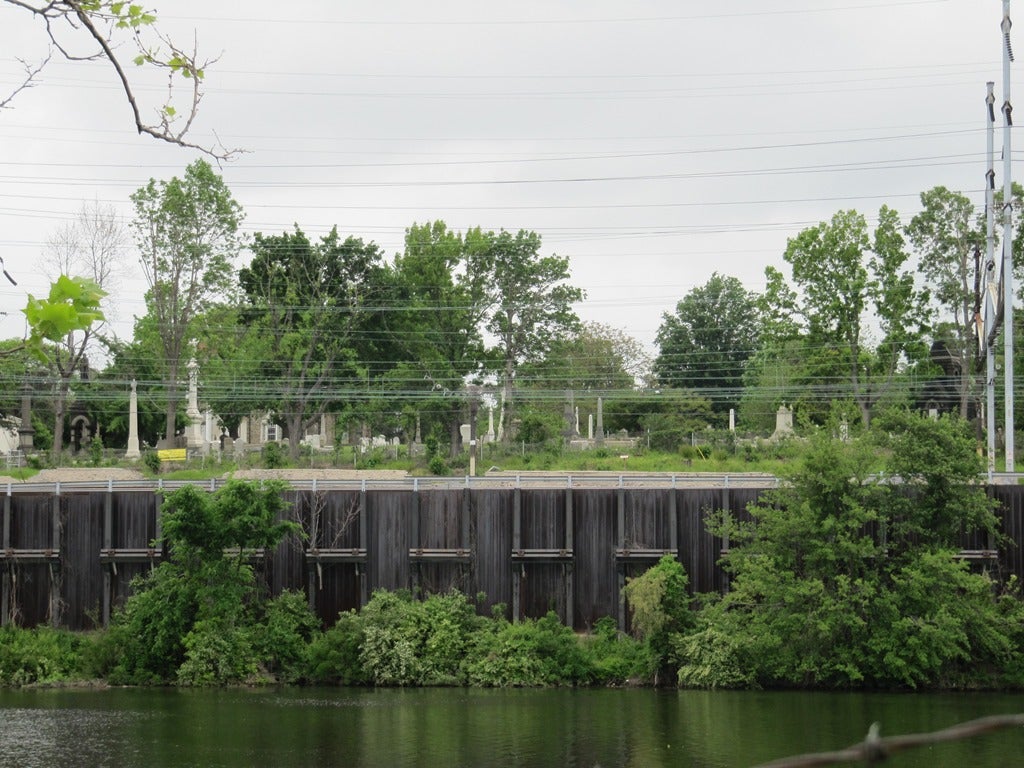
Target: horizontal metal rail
[(542, 555), (493, 481), (352, 555), (424, 554), (644, 554)]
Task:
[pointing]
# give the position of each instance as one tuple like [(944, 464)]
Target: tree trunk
[(58, 421), (171, 423), (294, 427), (454, 431)]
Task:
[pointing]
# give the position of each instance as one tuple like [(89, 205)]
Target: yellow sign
[(171, 454)]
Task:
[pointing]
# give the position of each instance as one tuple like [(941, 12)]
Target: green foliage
[(240, 515), (73, 304), (273, 456), (847, 581), (615, 658), (529, 653), (438, 466), (193, 618), (659, 605), (705, 344), (334, 654), (151, 461), (407, 642), (40, 655)]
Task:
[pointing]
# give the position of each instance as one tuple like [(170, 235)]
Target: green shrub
[(151, 460), (333, 656), (281, 636), (217, 651), (530, 653), (615, 657), (40, 655), (659, 606), (274, 455), (437, 465)]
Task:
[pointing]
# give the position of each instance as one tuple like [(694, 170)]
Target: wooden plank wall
[(522, 551)]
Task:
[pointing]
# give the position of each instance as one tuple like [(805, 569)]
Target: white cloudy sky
[(652, 142)]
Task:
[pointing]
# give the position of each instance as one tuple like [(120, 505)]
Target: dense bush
[(659, 607), (198, 618), (40, 655), (530, 653), (847, 580)]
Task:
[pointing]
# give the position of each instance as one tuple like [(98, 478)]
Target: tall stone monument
[(133, 451)]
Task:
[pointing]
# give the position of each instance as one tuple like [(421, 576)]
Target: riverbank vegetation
[(842, 577)]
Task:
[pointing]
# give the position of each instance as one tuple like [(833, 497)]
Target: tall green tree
[(307, 305), (950, 243), (436, 319), (594, 357), (531, 302), (186, 231), (848, 279), (706, 343)]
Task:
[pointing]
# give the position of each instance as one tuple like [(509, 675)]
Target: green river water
[(157, 728)]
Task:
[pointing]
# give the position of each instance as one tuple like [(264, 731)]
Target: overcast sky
[(652, 142)]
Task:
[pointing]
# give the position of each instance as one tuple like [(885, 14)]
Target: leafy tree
[(96, 28), (668, 419), (436, 319), (530, 301), (847, 580), (306, 305), (706, 343), (192, 618), (187, 234), (950, 242), (92, 245), (594, 357), (847, 278)]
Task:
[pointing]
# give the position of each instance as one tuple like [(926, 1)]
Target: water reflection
[(457, 727)]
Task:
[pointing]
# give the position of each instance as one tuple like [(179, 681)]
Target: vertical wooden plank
[(414, 540), (570, 596), (673, 521), (517, 535), (5, 579), (620, 571), (362, 571), (56, 542), (108, 528)]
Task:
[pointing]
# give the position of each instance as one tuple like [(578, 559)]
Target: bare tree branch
[(89, 19), (874, 749), (31, 72)]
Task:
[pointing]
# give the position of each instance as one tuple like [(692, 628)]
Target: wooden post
[(620, 566), (727, 506), (570, 597), (517, 536), (414, 538), (108, 527), (54, 581), (311, 563), (5, 577), (673, 520), (364, 579)]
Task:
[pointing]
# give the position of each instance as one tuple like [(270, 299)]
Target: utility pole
[(991, 297), (1007, 241)]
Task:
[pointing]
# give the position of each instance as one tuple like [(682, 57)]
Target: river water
[(156, 728)]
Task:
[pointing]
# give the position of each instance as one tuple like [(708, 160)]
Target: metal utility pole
[(1007, 240), (991, 298)]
